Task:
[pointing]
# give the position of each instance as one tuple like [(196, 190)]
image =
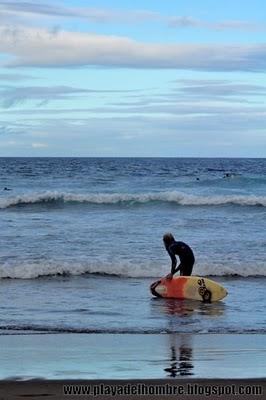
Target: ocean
[(81, 242)]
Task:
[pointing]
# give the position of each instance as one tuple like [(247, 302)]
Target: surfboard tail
[(153, 288)]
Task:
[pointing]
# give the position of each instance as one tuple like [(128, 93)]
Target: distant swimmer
[(183, 251), (7, 188), (229, 175)]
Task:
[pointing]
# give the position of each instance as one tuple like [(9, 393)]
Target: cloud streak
[(15, 77), (17, 9), (24, 9), (218, 89), (30, 47), (190, 22), (12, 96), (9, 129)]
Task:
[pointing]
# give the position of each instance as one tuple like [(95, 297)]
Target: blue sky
[(142, 78)]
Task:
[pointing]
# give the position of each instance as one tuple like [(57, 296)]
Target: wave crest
[(122, 269), (173, 197)]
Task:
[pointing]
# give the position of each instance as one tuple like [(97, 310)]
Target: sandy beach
[(147, 389)]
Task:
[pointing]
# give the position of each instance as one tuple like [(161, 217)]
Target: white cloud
[(168, 135), (41, 48), (39, 145)]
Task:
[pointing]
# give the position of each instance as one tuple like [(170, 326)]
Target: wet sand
[(132, 356), (38, 366)]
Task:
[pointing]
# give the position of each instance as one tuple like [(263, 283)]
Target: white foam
[(31, 270), (240, 269), (174, 197)]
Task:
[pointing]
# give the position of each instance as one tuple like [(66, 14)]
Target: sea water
[(81, 241)]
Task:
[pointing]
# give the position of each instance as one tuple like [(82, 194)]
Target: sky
[(132, 78)]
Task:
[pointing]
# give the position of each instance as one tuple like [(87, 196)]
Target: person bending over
[(183, 251)]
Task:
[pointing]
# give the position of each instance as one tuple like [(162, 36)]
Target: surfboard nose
[(224, 293)]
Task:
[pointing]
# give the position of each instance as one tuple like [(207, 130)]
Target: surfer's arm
[(177, 269), (173, 271), (174, 262)]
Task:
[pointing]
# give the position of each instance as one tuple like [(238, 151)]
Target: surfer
[(183, 251)]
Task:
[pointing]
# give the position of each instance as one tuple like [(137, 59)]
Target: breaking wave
[(174, 197), (120, 269)]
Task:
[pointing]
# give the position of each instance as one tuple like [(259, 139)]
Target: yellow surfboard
[(189, 287)]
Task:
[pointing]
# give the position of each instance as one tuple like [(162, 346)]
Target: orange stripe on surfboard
[(175, 287)]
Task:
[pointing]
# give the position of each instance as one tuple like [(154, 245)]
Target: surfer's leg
[(182, 269), (186, 268), (189, 269)]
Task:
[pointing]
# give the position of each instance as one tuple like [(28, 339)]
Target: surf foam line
[(120, 269), (174, 197)]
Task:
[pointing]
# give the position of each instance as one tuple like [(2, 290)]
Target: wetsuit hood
[(168, 239)]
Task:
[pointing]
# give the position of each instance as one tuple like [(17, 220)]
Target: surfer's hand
[(169, 276)]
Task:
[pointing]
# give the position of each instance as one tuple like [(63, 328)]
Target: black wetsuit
[(184, 252)]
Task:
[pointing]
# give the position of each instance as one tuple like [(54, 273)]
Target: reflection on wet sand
[(183, 313), (180, 356), (181, 366)]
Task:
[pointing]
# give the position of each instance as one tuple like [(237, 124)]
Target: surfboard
[(189, 287)]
